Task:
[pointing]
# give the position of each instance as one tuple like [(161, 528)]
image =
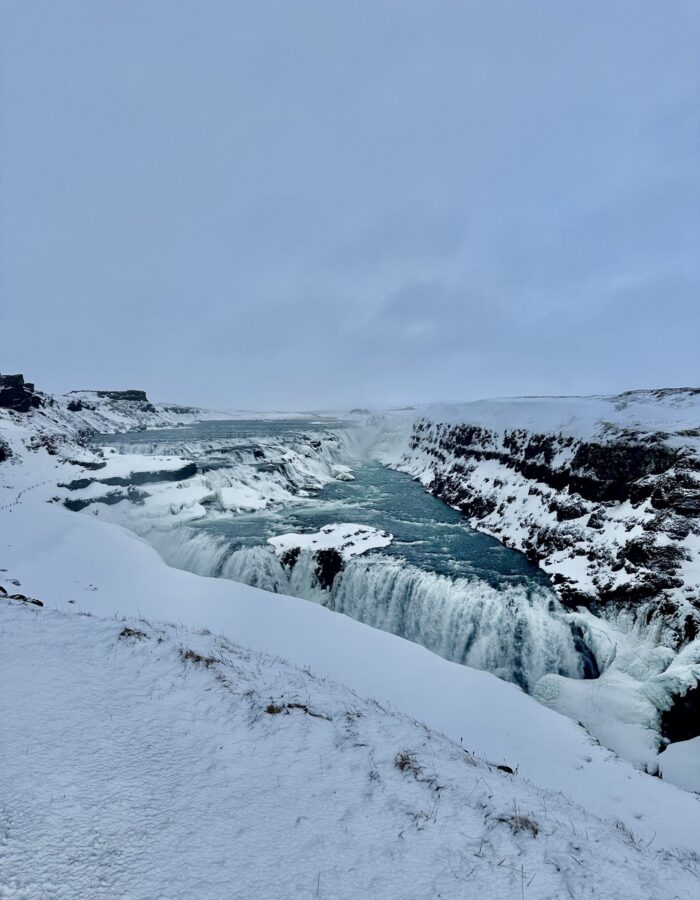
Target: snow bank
[(680, 764), (645, 412), (241, 498)]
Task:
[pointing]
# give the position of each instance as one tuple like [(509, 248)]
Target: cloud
[(295, 204)]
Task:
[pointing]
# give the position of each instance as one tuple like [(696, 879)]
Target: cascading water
[(441, 584), (518, 632)]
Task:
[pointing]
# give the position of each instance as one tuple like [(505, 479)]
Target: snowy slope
[(145, 760)]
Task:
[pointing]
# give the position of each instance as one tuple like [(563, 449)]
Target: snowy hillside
[(146, 760), (54, 418)]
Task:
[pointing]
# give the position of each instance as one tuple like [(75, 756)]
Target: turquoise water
[(427, 533)]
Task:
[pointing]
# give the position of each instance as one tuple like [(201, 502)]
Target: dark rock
[(132, 495), (328, 563), (89, 465), (189, 470), (129, 396), (644, 552), (290, 557), (682, 721), (78, 484), (136, 633), (180, 410), (607, 471), (18, 395), (679, 491), (568, 508), (596, 520)]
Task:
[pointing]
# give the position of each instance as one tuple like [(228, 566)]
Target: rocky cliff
[(603, 493)]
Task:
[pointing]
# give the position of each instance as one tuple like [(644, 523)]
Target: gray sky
[(289, 204)]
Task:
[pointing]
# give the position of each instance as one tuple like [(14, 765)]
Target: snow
[(72, 562), (241, 498), (146, 760), (342, 472), (680, 764), (124, 465), (345, 537), (646, 412)]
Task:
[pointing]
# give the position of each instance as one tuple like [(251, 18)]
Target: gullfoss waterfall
[(262, 490)]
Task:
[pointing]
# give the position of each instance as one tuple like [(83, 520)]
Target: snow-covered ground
[(145, 760)]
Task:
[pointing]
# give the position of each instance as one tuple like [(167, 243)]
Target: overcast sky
[(294, 204)]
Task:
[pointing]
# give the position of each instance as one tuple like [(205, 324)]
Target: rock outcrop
[(129, 396), (17, 394)]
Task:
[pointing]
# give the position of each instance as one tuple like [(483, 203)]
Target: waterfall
[(518, 632)]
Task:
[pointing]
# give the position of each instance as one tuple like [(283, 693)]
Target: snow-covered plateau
[(268, 746)]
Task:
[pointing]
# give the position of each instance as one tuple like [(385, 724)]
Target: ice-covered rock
[(330, 548), (346, 538)]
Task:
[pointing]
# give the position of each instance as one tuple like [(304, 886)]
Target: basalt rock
[(129, 396), (682, 721), (17, 394), (328, 563), (138, 398)]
